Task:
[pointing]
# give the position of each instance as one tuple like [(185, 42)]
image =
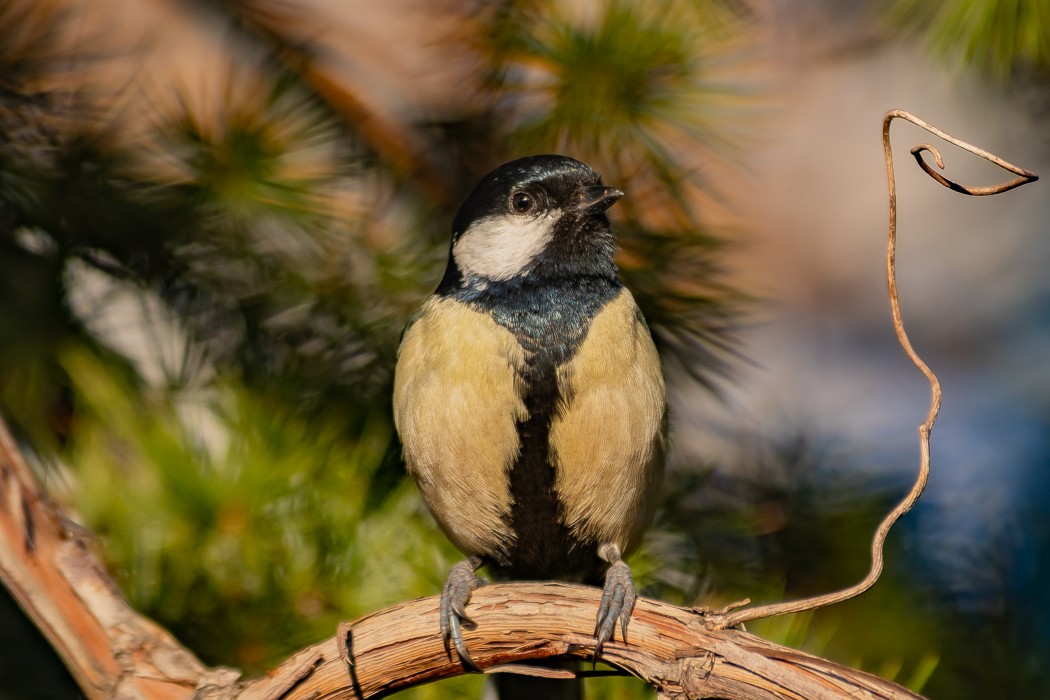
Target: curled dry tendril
[(738, 615)]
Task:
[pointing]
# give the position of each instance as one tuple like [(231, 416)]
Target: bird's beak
[(597, 198)]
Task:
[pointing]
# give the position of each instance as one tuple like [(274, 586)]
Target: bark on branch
[(48, 565)]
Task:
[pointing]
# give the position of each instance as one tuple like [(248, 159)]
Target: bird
[(529, 396)]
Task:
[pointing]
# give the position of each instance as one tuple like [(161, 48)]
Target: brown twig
[(739, 616)]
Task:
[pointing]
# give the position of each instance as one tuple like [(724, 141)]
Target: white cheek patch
[(501, 247)]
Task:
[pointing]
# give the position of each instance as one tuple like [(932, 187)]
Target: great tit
[(529, 396)]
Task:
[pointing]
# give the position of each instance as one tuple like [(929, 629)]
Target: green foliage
[(640, 91), (996, 36), (617, 87)]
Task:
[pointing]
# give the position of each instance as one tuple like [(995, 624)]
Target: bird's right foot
[(618, 598), (460, 584)]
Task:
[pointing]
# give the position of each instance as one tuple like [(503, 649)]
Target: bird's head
[(540, 217)]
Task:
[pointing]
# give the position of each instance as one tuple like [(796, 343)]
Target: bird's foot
[(618, 598), (460, 583)]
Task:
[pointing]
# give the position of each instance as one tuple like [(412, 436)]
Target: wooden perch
[(669, 647), (48, 565)]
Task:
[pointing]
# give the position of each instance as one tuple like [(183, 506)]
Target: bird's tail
[(513, 686)]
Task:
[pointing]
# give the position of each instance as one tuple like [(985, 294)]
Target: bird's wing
[(608, 438), (456, 406)]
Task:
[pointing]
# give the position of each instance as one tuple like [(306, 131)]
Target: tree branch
[(669, 647), (48, 564)]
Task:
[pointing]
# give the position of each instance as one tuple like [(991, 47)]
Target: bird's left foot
[(618, 598), (460, 584)]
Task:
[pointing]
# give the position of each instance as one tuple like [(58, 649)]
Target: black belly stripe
[(541, 538), (550, 321)]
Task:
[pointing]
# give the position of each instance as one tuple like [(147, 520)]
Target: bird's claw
[(460, 583), (617, 603)]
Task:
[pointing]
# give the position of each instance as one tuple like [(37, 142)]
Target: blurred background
[(216, 217)]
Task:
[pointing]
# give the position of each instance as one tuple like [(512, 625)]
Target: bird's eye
[(522, 202)]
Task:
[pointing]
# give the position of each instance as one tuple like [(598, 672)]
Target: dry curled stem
[(739, 616)]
